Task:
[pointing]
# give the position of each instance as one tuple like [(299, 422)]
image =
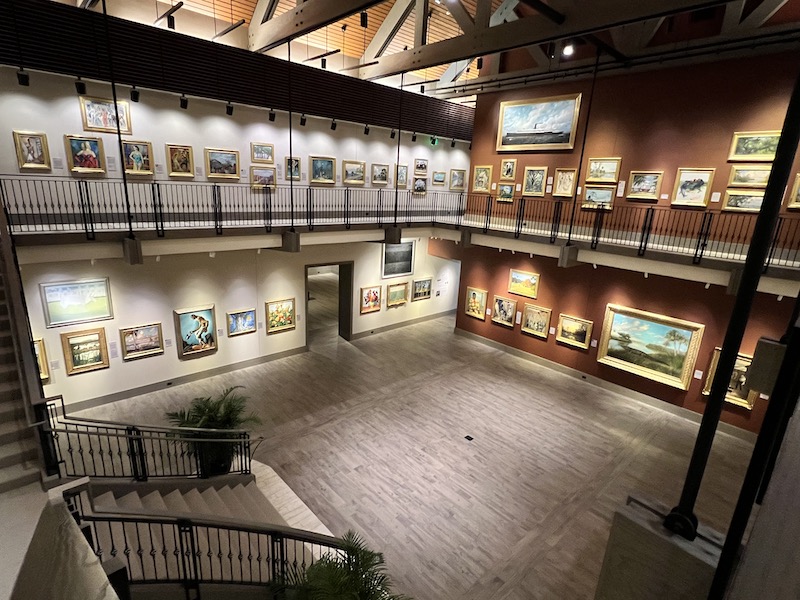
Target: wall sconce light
[(23, 78), (303, 120), (80, 86), (184, 102), (229, 109), (271, 115), (333, 124), (134, 94)]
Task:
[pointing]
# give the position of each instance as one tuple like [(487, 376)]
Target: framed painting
[(505, 192), (262, 153), (41, 360), (508, 169), (598, 197), (99, 115), (380, 174), (141, 341), (476, 303), (564, 184), (262, 177), (540, 124), (533, 183), (72, 302), (755, 146), (737, 389), (180, 160), (241, 321), (85, 154), (504, 311), (280, 315), (523, 283), (323, 169), (370, 299), (482, 179), (33, 153), (749, 176), (396, 294), (439, 177), (354, 172), (420, 185), (645, 185), (692, 187), (397, 260), (657, 347), (536, 320), (458, 180), (574, 331), (794, 196), (84, 350), (743, 200), (138, 157), (421, 166), (222, 164), (421, 289), (603, 170), (197, 330), (292, 168), (401, 176)]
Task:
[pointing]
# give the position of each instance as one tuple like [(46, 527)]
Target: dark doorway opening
[(329, 302)]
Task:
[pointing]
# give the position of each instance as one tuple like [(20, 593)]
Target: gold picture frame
[(438, 177), (564, 183), (504, 311), (380, 174), (370, 299), (475, 303), (603, 170), (41, 359), (794, 197), (292, 168), (354, 172), (555, 122), (241, 322), (536, 320), (736, 386), (598, 197), (421, 167), (263, 176), (749, 201), (523, 283), (222, 163), (85, 154), (98, 114), (396, 294), (138, 157), (749, 176), (534, 182), (482, 179), (693, 187), (645, 185), (280, 315), (77, 301), (574, 331), (322, 169), (196, 330), (261, 152), (85, 350), (754, 146), (180, 160), (508, 169), (33, 153), (141, 341)]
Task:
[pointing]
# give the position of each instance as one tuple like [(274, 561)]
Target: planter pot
[(215, 458)]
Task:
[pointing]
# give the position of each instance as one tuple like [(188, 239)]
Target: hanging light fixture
[(271, 115), (229, 109), (414, 137), (134, 94), (303, 120), (184, 102), (366, 129), (23, 78), (333, 124)]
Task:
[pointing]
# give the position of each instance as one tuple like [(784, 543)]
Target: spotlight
[(303, 120), (708, 285), (366, 129), (184, 102), (271, 115), (134, 94), (568, 49), (333, 125), (23, 78), (80, 86), (434, 141), (324, 63), (453, 143), (646, 275), (393, 134), (422, 89), (170, 22), (480, 63), (364, 19), (229, 109), (414, 137), (212, 254)]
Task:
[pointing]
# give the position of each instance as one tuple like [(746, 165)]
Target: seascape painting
[(541, 124)]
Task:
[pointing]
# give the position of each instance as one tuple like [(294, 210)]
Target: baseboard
[(690, 415), (357, 336)]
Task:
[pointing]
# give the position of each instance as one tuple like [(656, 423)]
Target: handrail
[(171, 438)]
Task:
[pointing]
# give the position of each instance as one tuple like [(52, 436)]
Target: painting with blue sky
[(538, 124)]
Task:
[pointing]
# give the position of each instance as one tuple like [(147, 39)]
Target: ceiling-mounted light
[(229, 109), (393, 134), (364, 19), (184, 102), (271, 115), (324, 63), (303, 120), (23, 78), (134, 94), (434, 141), (333, 124), (366, 129), (80, 86), (568, 49), (422, 89), (414, 137), (480, 63)]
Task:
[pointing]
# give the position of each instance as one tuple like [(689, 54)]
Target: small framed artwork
[(354, 172), (197, 330), (794, 196), (749, 176), (536, 320), (603, 170), (755, 146), (533, 183), (598, 197), (84, 350), (482, 179), (323, 169), (262, 177), (398, 260), (737, 390), (743, 200), (574, 331), (476, 303), (564, 184), (396, 294), (692, 187), (72, 302), (645, 185), (458, 180), (85, 154), (539, 124), (523, 283), (380, 174), (222, 164), (420, 185), (241, 321), (262, 153), (421, 289), (401, 176), (280, 315), (370, 299), (33, 153), (180, 160), (41, 360), (99, 115), (439, 177), (292, 168), (505, 192), (138, 157), (508, 169), (141, 341), (421, 166), (504, 311)]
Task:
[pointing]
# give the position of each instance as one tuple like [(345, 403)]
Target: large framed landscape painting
[(757, 146), (197, 330), (71, 302), (574, 331), (540, 124), (650, 345), (737, 393), (523, 283), (141, 341), (84, 350)]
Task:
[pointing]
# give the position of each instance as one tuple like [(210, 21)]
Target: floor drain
[(469, 438)]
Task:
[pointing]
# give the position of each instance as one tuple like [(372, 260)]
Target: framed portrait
[(33, 153), (564, 183), (505, 192), (508, 169), (536, 320), (574, 331), (534, 181), (439, 177), (504, 311), (41, 359), (540, 124), (323, 169), (396, 294), (523, 283), (280, 315), (743, 200), (85, 154), (370, 299), (380, 174), (421, 166), (421, 289), (141, 341), (603, 170), (138, 157), (180, 160), (737, 389), (292, 168), (72, 302), (222, 164), (755, 146), (354, 172), (458, 180), (749, 176), (99, 115), (657, 347), (475, 305), (482, 179), (263, 177), (262, 152), (84, 350), (794, 196), (197, 330), (645, 185), (241, 321), (692, 187), (598, 197), (401, 176), (420, 185), (397, 260)]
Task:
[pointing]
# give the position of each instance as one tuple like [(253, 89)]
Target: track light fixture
[(229, 109), (184, 102), (393, 134), (333, 124), (324, 63), (422, 89), (23, 78), (568, 49), (453, 143), (479, 63), (364, 19), (303, 120), (134, 94), (414, 137), (271, 115), (366, 129), (80, 86)]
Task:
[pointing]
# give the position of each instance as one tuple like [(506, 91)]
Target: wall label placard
[(698, 374)]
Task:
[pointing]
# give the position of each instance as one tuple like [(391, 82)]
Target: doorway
[(329, 302)]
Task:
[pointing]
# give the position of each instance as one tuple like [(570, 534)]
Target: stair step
[(10, 386), (7, 355), (16, 476), (236, 509), (105, 502), (131, 502), (19, 452), (11, 431), (154, 502), (11, 409), (176, 503), (270, 513), (196, 502), (5, 339), (254, 512), (215, 503)]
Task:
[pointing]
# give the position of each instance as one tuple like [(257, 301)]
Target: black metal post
[(557, 208), (597, 227), (520, 216), (310, 208), (347, 208), (158, 209), (702, 237), (49, 454), (647, 228)]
